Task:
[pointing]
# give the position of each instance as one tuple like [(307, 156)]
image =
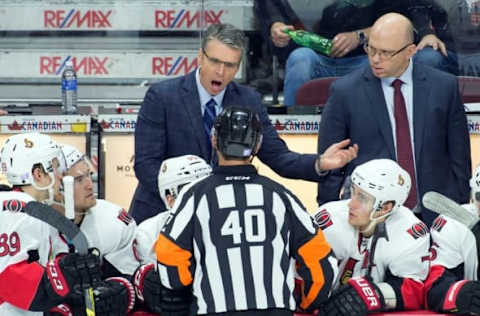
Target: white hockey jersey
[(147, 234), (453, 244), (110, 229), (404, 254), (19, 234)]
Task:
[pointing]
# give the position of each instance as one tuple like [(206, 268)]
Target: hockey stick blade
[(441, 204), (48, 215)]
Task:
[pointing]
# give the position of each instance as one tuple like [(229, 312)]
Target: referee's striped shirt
[(237, 237)]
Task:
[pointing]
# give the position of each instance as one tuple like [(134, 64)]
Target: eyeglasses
[(383, 54), (217, 62)]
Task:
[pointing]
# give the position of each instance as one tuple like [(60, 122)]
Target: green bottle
[(310, 40)]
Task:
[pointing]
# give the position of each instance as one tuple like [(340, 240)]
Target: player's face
[(218, 65), (360, 207), (84, 196)]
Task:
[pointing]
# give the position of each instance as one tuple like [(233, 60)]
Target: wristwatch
[(362, 39)]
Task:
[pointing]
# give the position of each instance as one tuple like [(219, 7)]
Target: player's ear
[(386, 208), (170, 200)]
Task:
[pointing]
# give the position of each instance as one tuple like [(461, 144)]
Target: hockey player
[(452, 285), (381, 245), (32, 280), (236, 237), (173, 175), (109, 229)]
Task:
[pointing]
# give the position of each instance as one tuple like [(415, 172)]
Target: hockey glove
[(114, 297), (71, 273), (463, 298), (356, 298), (158, 298)]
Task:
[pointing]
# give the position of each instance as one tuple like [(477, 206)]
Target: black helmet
[(238, 131)]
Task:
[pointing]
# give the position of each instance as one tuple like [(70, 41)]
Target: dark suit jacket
[(170, 124), (356, 109)]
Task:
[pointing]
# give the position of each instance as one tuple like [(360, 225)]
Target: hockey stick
[(48, 215), (441, 204), (379, 232)]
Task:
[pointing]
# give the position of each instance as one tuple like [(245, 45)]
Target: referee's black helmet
[(238, 131)]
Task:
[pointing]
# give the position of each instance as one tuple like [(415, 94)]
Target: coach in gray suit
[(363, 107), (177, 115)]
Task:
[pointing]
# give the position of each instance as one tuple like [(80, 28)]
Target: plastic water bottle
[(69, 89), (310, 40)]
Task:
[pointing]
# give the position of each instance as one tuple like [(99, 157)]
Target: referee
[(237, 238)]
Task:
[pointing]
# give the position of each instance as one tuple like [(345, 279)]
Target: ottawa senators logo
[(14, 205), (124, 217), (323, 219), (28, 143), (438, 223), (418, 230)]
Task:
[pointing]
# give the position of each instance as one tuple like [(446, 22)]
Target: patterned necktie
[(404, 144), (208, 121)]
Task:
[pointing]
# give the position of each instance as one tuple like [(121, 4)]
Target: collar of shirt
[(205, 96), (238, 170)]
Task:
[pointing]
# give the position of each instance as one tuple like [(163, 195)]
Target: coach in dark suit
[(429, 136), (177, 115)]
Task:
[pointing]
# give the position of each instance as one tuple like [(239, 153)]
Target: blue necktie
[(208, 121)]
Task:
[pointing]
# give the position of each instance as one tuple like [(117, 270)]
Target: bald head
[(393, 25), (390, 45)]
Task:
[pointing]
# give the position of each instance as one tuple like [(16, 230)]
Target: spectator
[(379, 243), (176, 118), (346, 23), (399, 110), (436, 47), (462, 18), (237, 238)]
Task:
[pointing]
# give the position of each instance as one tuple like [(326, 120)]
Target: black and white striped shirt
[(237, 237)]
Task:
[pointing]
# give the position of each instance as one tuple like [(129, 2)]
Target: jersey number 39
[(9, 244)]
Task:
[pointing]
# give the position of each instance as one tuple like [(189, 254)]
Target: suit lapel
[(230, 97), (378, 108), (191, 101), (421, 90)]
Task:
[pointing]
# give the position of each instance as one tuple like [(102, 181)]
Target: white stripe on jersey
[(162, 271), (225, 196), (238, 280), (182, 218), (278, 279), (334, 264), (257, 264), (254, 194), (197, 281), (301, 214), (211, 257), (291, 282)]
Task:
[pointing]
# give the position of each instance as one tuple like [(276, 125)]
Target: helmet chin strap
[(368, 231), (51, 192)]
